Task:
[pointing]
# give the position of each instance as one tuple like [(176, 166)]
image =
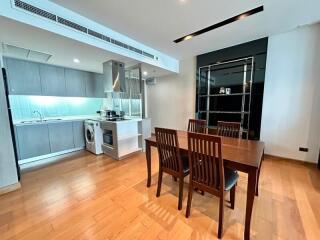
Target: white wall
[(291, 107), (171, 102)]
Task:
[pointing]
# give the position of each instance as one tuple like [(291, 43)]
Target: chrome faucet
[(39, 113)]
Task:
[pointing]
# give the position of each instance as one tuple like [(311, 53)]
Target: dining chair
[(207, 172), (170, 160), (229, 129), (197, 125)]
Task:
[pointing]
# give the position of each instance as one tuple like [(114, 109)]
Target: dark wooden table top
[(243, 152)]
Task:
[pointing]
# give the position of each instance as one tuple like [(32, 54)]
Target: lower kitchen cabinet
[(33, 140), (61, 136), (78, 134)]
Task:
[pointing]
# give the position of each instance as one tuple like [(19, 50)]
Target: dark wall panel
[(256, 49)]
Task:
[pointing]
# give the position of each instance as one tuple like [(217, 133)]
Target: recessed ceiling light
[(76, 60), (145, 73)]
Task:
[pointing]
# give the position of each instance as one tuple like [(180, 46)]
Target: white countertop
[(95, 117)]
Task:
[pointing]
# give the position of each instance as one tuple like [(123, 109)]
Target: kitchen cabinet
[(23, 77), (33, 140), (75, 82), (95, 85), (61, 136), (78, 134), (52, 80)]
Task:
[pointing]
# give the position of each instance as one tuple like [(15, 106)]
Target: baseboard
[(10, 188), (288, 159)]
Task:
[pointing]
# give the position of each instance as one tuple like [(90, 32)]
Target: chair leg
[(233, 196), (159, 183), (221, 213), (174, 178), (189, 200), (180, 193)]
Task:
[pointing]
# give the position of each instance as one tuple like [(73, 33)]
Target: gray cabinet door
[(23, 77), (95, 85), (75, 83), (53, 80), (78, 134), (33, 140), (61, 136)]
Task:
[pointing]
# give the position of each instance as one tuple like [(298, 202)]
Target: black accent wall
[(256, 49)]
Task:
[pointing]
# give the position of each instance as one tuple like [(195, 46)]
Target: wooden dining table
[(240, 154)]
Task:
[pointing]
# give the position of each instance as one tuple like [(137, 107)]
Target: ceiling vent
[(23, 53), (43, 13)]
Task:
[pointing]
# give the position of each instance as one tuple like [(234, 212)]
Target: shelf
[(225, 112), (224, 95)]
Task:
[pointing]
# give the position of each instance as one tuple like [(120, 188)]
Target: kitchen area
[(56, 110)]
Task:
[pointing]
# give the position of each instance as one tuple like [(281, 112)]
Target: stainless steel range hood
[(114, 76)]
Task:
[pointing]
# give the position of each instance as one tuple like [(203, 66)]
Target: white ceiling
[(62, 49), (158, 22)]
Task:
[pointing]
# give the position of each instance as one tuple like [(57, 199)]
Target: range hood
[(114, 76)]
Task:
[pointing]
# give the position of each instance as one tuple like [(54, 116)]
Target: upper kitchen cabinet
[(53, 80), (75, 82), (95, 85), (23, 77)]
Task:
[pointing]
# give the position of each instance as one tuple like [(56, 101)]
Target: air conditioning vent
[(35, 10), (151, 81), (147, 54), (95, 34), (72, 24), (29, 8)]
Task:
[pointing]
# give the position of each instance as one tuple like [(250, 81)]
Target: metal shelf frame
[(248, 71)]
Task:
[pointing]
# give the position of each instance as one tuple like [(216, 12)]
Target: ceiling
[(157, 23), (64, 50)]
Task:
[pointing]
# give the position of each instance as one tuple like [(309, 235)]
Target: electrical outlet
[(303, 149)]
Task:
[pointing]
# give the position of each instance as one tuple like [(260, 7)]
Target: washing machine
[(93, 136)]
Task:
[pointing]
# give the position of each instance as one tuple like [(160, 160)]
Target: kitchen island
[(125, 137)]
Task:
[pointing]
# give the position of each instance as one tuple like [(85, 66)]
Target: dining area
[(208, 163)]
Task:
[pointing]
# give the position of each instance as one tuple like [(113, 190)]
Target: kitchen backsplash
[(22, 107)]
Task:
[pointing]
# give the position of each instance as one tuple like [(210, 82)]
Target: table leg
[(258, 175), (252, 177), (148, 158)]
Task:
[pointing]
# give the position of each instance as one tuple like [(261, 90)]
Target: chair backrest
[(206, 162), (197, 125), (229, 129), (168, 149)]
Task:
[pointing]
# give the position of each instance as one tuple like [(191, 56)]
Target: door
[(78, 134), (53, 80), (61, 136), (33, 140), (23, 77), (75, 83), (95, 85)]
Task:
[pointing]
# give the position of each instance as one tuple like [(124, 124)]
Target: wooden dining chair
[(207, 172), (170, 160), (197, 125), (229, 129)]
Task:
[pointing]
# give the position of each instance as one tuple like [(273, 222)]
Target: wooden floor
[(90, 197)]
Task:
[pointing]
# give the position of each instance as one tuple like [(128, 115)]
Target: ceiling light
[(145, 73), (76, 60), (220, 24)]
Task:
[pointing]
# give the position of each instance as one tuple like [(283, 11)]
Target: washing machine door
[(89, 133)]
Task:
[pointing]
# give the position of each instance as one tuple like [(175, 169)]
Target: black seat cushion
[(185, 162), (230, 178)]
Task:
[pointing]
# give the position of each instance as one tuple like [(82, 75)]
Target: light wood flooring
[(93, 197)]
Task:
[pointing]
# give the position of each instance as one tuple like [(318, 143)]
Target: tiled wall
[(22, 107)]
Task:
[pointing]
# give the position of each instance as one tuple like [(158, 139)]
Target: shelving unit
[(214, 106)]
